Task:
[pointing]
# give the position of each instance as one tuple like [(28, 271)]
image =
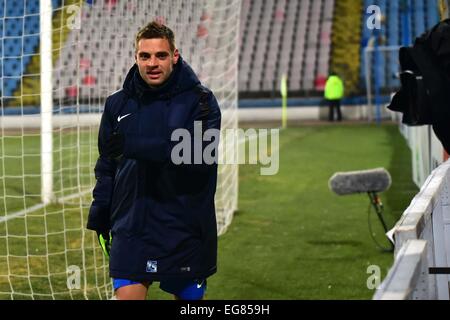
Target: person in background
[(334, 91)]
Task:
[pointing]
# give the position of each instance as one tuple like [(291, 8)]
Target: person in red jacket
[(155, 217)]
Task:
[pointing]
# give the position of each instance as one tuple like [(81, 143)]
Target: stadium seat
[(432, 13), (14, 8), (13, 27), (32, 7), (419, 17), (20, 20), (31, 24), (72, 91), (319, 82), (276, 37), (13, 47)]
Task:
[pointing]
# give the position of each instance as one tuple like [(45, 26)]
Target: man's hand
[(105, 240), (114, 145)]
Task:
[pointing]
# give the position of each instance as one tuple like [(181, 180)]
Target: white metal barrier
[(407, 278), (427, 218)]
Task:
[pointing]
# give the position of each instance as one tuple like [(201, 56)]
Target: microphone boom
[(372, 180)]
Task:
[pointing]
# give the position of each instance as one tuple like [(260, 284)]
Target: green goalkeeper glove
[(105, 240)]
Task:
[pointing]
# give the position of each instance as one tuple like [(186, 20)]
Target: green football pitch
[(291, 238)]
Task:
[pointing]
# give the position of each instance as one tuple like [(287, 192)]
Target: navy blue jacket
[(161, 215)]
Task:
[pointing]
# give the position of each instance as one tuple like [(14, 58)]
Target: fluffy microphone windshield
[(373, 180)]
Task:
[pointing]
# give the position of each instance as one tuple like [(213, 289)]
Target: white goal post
[(46, 101)]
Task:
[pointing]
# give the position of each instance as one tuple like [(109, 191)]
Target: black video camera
[(424, 97)]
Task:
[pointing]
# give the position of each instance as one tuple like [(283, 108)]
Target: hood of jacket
[(181, 79)]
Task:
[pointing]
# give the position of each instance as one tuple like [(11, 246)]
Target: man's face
[(155, 61)]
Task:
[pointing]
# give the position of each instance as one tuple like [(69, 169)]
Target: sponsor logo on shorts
[(199, 285)]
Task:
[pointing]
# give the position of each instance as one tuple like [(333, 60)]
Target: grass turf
[(292, 238)]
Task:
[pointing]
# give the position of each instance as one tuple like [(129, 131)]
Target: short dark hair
[(156, 30)]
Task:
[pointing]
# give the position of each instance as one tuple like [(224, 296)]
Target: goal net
[(59, 60)]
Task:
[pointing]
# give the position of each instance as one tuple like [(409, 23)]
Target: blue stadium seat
[(30, 44), (32, 7), (25, 61), (56, 3), (31, 25), (366, 35), (13, 27), (424, 15), (419, 18), (12, 67), (13, 47), (15, 8), (364, 41), (393, 39), (393, 23), (432, 13), (379, 68), (17, 26)]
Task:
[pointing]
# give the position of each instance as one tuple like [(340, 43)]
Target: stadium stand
[(303, 39), (14, 52), (291, 37), (345, 43), (422, 242), (277, 37), (95, 50), (397, 18), (17, 17)]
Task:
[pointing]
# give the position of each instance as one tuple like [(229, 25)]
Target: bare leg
[(132, 292)]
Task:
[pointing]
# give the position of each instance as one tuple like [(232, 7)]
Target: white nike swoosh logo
[(121, 117), (199, 285)]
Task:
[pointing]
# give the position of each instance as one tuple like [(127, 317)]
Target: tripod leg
[(379, 209)]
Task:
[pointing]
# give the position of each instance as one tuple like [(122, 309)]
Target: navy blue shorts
[(185, 289)]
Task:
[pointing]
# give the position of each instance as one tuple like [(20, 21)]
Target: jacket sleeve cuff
[(98, 219)]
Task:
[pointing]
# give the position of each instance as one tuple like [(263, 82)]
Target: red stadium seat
[(319, 83), (202, 31), (85, 63), (72, 91), (89, 80)]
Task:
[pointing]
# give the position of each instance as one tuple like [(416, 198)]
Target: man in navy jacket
[(155, 217)]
